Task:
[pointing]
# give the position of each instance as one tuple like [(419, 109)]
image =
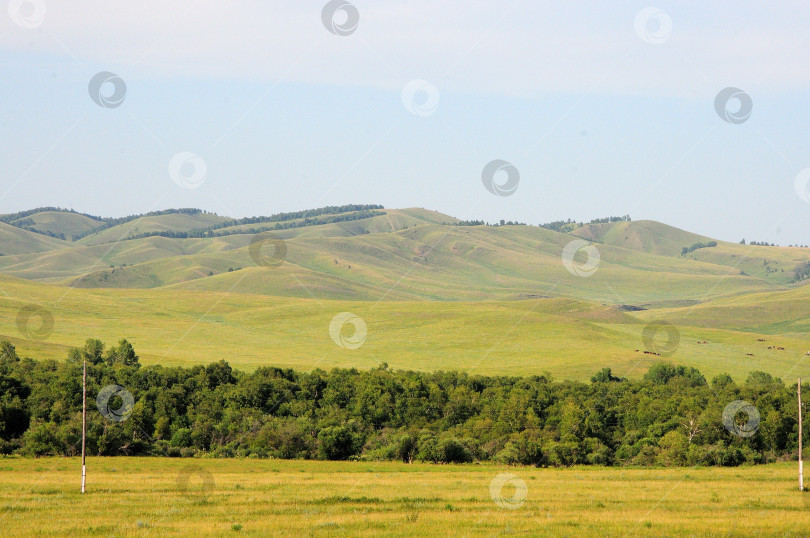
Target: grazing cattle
[(760, 339), (750, 354)]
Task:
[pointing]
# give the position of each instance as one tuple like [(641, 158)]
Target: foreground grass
[(153, 496)]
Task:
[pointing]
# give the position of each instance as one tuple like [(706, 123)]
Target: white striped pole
[(84, 419), (801, 463)]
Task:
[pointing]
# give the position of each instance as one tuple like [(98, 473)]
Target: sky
[(253, 107)]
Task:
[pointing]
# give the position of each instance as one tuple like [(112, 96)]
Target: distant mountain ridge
[(26, 219), (364, 251), (435, 291)]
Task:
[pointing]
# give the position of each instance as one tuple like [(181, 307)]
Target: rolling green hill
[(61, 223), (772, 264), (463, 263), (413, 254), (176, 222), (489, 299), (644, 236), (15, 240)]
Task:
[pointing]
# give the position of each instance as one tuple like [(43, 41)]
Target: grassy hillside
[(772, 264), (176, 222), (772, 313), (489, 299), (15, 240), (475, 263), (410, 254), (70, 260), (641, 235), (61, 223), (569, 338)]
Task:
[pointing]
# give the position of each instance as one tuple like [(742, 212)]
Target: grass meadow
[(186, 497), (568, 338)]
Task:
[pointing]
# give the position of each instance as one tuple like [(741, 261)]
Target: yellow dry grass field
[(187, 497)]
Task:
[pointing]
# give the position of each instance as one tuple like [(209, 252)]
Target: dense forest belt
[(672, 416)]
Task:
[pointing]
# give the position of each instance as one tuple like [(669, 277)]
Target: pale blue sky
[(288, 116)]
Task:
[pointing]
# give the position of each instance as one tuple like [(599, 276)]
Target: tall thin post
[(801, 464), (84, 419)]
